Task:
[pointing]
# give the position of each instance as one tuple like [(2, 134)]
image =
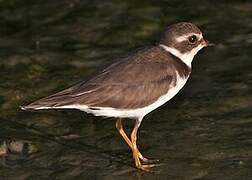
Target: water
[(203, 133)]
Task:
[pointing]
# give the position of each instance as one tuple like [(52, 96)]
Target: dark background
[(205, 132)]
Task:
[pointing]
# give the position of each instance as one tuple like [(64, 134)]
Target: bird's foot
[(149, 161), (147, 167), (146, 160), (143, 163)]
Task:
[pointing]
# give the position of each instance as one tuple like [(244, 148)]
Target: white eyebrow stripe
[(185, 37)]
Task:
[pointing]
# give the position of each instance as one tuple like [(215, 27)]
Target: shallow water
[(205, 132)]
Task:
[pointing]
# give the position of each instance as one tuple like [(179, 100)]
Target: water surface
[(205, 132)]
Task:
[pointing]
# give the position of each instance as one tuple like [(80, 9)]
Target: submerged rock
[(13, 150)]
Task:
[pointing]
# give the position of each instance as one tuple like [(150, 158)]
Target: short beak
[(206, 43)]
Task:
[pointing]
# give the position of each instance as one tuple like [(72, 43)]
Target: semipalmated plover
[(135, 85)]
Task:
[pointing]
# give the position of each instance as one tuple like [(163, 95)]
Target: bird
[(134, 85)]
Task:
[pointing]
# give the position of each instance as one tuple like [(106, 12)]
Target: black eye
[(192, 39)]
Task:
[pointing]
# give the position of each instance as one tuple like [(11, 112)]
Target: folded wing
[(129, 83)]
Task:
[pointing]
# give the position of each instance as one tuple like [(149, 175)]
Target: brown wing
[(133, 82)]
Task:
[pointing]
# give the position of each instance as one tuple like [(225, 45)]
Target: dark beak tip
[(211, 44), (207, 43)]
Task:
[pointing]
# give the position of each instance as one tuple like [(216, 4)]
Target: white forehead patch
[(185, 37)]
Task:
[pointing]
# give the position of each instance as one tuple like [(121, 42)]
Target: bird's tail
[(55, 101)]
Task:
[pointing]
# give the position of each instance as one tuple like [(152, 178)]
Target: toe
[(149, 161)]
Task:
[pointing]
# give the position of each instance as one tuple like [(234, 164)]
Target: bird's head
[(183, 40)]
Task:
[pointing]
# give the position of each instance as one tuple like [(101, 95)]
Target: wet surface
[(205, 132)]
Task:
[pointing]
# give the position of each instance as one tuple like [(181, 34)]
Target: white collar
[(186, 57)]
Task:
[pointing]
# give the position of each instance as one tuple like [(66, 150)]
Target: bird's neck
[(185, 57)]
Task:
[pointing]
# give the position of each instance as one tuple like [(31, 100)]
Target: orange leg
[(137, 156), (145, 167), (119, 127)]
